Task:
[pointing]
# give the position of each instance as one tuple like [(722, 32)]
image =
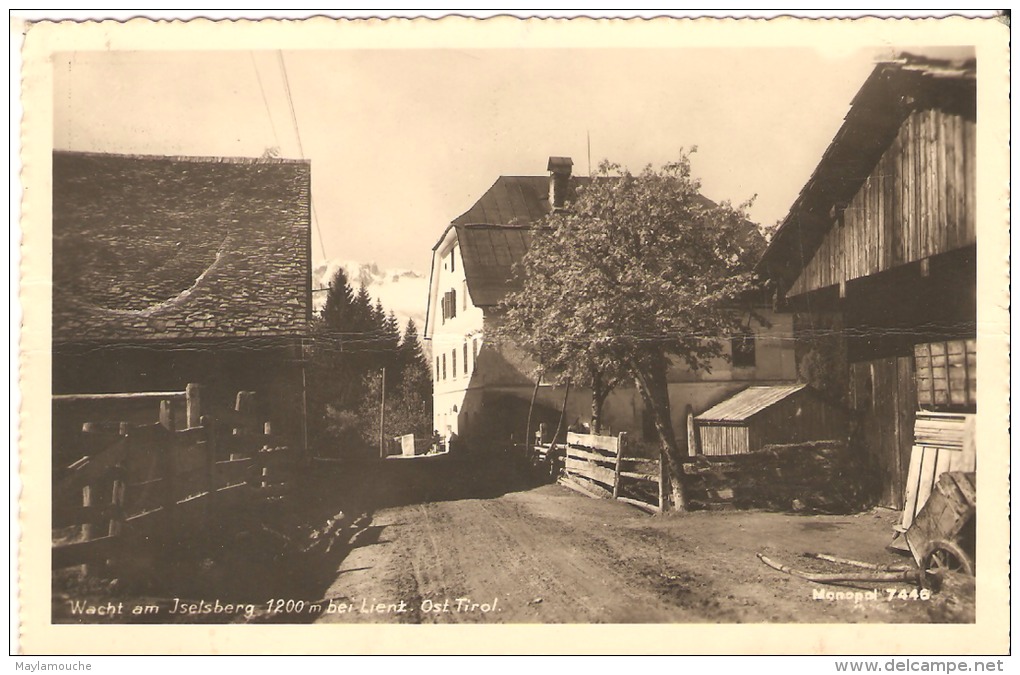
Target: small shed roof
[(749, 402)]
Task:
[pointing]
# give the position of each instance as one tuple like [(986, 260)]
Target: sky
[(401, 142)]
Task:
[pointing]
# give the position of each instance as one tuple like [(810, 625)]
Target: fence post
[(619, 461), (244, 404), (86, 528), (166, 415), (117, 505), (193, 397), (86, 501), (692, 432)]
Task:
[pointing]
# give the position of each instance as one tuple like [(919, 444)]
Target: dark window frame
[(743, 350)]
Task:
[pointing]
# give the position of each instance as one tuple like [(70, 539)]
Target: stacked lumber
[(941, 430), (943, 442)]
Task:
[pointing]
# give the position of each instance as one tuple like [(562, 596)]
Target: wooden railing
[(597, 466), (159, 483)]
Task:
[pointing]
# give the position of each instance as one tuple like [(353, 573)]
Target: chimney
[(559, 179)]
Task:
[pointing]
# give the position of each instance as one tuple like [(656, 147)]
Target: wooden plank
[(913, 488), (644, 506), (590, 471), (944, 461), (584, 455), (651, 477), (928, 178), (606, 444), (916, 174), (929, 461), (588, 489), (191, 483), (141, 396), (947, 185), (970, 182), (899, 224)]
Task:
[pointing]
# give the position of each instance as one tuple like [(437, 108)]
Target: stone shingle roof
[(164, 248)]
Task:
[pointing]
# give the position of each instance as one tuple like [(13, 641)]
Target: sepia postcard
[(670, 336)]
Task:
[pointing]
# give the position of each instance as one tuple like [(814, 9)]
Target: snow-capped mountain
[(403, 291)]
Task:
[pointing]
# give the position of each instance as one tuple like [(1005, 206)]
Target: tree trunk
[(529, 443), (599, 392), (563, 413), (650, 378)]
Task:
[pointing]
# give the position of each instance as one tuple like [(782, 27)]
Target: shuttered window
[(449, 305)]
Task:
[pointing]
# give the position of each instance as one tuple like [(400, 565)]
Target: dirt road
[(486, 542), (547, 554)]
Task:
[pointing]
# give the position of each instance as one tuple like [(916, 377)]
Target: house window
[(449, 305), (465, 293), (437, 369), (453, 259), (453, 364), (444, 366), (742, 347), (465, 358)]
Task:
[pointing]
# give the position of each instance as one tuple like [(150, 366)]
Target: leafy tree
[(637, 271), (541, 333)]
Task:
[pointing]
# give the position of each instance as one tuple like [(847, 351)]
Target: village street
[(443, 550)]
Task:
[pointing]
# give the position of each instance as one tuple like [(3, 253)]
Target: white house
[(482, 391)]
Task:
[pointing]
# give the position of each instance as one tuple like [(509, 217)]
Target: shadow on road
[(291, 547)]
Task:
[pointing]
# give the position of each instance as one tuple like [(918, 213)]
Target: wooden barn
[(876, 258), (173, 271), (768, 415)]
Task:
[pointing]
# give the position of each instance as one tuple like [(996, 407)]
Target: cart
[(942, 536)]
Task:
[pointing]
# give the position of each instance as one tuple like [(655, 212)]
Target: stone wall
[(819, 476)]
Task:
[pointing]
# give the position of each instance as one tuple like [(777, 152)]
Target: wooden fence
[(598, 467), (160, 484)]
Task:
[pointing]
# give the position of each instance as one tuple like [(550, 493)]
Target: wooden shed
[(766, 415)]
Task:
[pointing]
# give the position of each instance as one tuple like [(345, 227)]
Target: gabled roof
[(165, 248), (495, 232), (894, 90), (748, 403), (513, 200)]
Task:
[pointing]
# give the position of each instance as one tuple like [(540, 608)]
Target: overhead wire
[(301, 149), (265, 101)]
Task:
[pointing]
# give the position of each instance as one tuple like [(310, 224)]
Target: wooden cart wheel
[(940, 557)]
